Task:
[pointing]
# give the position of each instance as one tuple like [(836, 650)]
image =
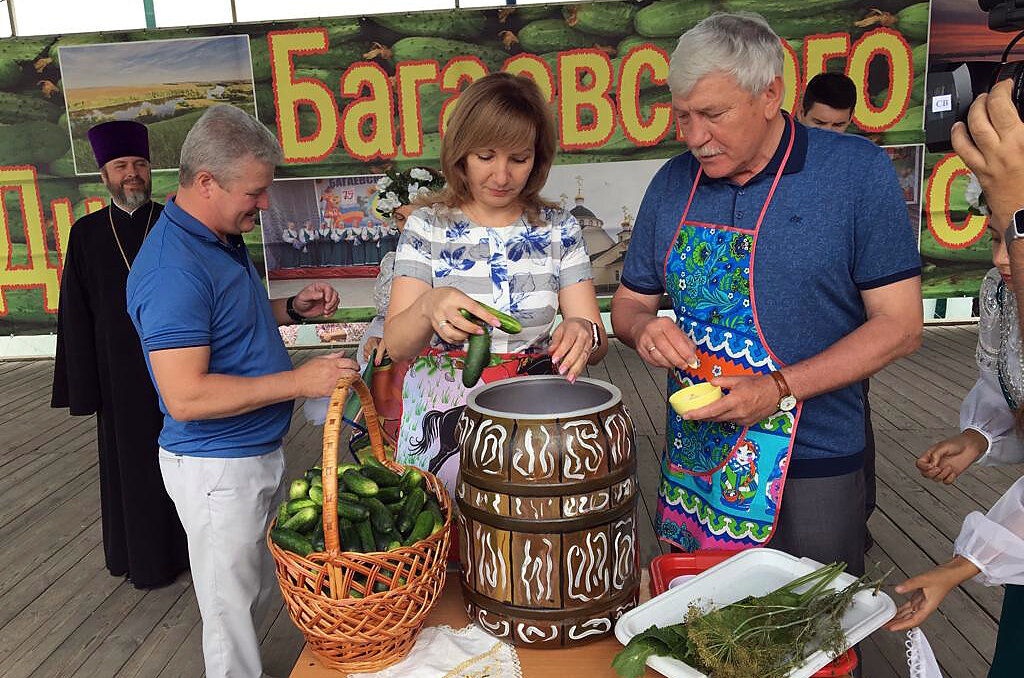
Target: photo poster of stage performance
[(350, 98)]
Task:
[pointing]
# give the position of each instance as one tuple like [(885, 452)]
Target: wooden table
[(593, 660)]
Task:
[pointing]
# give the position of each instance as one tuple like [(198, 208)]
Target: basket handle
[(332, 434)]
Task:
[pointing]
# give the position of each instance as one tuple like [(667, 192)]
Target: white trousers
[(225, 506)]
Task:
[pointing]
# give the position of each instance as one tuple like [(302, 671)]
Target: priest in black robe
[(100, 368)]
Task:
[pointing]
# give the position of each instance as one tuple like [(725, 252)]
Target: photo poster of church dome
[(604, 198)]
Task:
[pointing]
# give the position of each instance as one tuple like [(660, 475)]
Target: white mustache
[(705, 151)]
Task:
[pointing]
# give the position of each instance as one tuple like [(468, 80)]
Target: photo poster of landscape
[(164, 84), (358, 96), (956, 251)]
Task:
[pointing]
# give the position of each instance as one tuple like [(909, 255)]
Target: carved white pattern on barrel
[(529, 456), (536, 572), (539, 506), (619, 442), (582, 455), (490, 446), (587, 570), (490, 566), (622, 491), (585, 503), (499, 627), (589, 628), (529, 633), (464, 430), (624, 549)]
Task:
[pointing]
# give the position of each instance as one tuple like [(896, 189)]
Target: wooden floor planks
[(62, 615)]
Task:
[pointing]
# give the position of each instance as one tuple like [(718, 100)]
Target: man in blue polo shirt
[(774, 242), (224, 379)]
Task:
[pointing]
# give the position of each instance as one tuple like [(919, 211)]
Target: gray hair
[(222, 138), (740, 44)]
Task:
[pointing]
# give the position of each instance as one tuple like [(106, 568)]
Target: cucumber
[(290, 540), (303, 520), (16, 108), (443, 50), (395, 507), (348, 538), (411, 479), (344, 467), (35, 142), (314, 472), (373, 461), (367, 544), (912, 21), (435, 510), (389, 495), (413, 505), (606, 19), (299, 489), (666, 44), (339, 52), (348, 498), (384, 477), (318, 537), (421, 529), (528, 13), (316, 494), (670, 18), (839, 21), (353, 511), (380, 517), (919, 57), (449, 24), (282, 513), (509, 325), (296, 505), (383, 540), (359, 484), (774, 9), (478, 356), (549, 35)]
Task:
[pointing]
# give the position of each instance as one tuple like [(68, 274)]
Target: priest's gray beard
[(130, 199)]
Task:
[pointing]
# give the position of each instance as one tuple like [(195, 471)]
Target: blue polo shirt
[(187, 288), (837, 225)]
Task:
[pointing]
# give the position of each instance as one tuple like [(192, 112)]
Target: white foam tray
[(753, 572)]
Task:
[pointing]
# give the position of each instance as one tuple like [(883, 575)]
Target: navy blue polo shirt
[(186, 289), (837, 225)]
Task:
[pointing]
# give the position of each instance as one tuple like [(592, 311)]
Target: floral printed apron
[(433, 398), (721, 483)]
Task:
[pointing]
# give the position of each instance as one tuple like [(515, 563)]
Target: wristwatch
[(786, 399), (1015, 229), (595, 335), (289, 308)]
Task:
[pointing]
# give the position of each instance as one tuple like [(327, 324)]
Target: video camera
[(951, 88)]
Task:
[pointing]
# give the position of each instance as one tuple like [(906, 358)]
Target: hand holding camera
[(994, 149)]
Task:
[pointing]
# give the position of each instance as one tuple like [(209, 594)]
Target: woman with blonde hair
[(487, 237)]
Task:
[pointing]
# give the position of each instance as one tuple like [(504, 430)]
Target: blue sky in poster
[(165, 61)]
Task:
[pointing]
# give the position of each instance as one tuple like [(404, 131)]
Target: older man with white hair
[(794, 274)]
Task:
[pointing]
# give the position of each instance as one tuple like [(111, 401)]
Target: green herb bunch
[(765, 636)]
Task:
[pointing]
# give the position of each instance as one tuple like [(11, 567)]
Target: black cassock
[(100, 369)]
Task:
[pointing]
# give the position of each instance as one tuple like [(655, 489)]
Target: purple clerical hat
[(117, 139)]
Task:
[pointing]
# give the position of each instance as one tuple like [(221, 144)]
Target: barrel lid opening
[(543, 397)]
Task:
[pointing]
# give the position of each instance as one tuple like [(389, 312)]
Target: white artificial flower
[(974, 196), (392, 196), (424, 190), (419, 174), (383, 183), (414, 190)]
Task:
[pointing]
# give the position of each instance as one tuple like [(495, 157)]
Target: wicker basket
[(376, 630)]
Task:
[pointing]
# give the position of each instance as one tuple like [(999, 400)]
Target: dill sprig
[(765, 636)]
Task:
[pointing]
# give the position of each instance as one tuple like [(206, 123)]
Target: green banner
[(356, 96)]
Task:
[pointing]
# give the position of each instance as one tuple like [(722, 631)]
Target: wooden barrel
[(547, 510)]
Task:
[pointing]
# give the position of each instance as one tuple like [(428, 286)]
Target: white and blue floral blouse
[(518, 269)]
